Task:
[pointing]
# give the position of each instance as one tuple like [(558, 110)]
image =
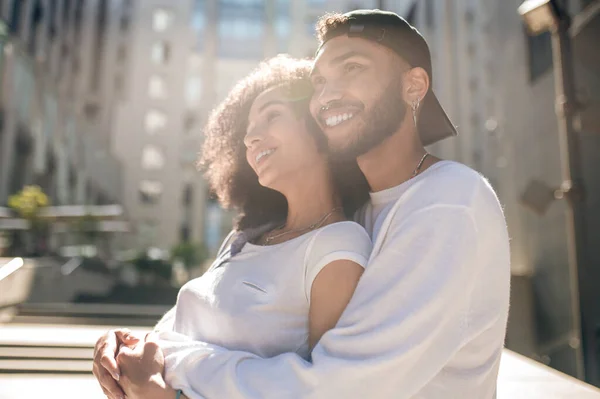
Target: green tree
[(190, 254)]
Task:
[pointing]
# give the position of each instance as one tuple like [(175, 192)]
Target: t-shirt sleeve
[(337, 241)]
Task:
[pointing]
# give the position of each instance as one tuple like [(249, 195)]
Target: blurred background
[(103, 215)]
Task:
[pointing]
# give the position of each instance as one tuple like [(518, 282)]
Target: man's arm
[(404, 322)]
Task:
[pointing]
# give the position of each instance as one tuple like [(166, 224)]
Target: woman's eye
[(318, 81), (273, 115)]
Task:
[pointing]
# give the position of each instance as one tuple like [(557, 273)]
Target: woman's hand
[(142, 372), (105, 366)]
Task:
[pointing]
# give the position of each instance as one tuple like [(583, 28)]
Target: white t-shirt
[(427, 319), (258, 300)]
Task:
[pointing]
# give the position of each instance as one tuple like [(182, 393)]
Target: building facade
[(57, 100), (498, 86), (184, 58)]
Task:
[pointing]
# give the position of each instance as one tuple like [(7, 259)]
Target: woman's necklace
[(269, 237)]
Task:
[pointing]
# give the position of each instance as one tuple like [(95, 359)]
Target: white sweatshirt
[(427, 320), (259, 300)]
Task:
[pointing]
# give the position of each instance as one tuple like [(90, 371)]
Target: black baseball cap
[(392, 31)]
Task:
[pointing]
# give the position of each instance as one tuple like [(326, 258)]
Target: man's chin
[(344, 150)]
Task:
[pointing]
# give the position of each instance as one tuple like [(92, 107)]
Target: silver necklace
[(418, 168), (313, 226)]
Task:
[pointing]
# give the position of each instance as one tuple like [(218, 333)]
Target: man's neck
[(392, 162)]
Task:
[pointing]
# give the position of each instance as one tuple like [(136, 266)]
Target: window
[(160, 53), (193, 90), (473, 84), (150, 191), (283, 28), (157, 88), (469, 16), (121, 53), (161, 20), (189, 123), (198, 17), (155, 121), (125, 16), (241, 29), (148, 232), (101, 22), (539, 53), (311, 26), (429, 16), (184, 233), (188, 195), (35, 22), (15, 17), (53, 8), (152, 158)]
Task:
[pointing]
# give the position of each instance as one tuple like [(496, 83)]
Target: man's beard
[(384, 119)]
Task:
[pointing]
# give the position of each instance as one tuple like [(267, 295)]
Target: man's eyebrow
[(338, 60), (343, 57)]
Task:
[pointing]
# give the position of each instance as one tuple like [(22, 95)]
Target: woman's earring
[(415, 108)]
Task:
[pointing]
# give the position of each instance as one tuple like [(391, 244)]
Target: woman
[(286, 275)]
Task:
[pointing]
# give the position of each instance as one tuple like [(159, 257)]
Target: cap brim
[(434, 124)]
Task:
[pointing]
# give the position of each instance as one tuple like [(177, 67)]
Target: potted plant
[(28, 204)]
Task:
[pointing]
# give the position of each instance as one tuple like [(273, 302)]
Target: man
[(428, 317)]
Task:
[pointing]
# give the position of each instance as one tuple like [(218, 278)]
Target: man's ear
[(416, 85)]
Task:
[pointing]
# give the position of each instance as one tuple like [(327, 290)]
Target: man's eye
[(352, 66)]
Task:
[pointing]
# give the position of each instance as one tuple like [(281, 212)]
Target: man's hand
[(105, 366), (142, 371)]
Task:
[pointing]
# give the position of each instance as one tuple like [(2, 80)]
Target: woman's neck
[(310, 198)]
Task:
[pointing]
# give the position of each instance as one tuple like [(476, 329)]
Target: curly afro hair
[(223, 156)]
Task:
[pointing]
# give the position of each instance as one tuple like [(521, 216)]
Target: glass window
[(148, 232), (540, 54), (193, 90), (157, 87), (155, 121), (188, 195), (160, 53), (283, 27), (162, 19), (311, 25), (241, 29), (198, 22), (150, 191), (152, 158)]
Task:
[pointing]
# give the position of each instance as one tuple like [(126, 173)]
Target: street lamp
[(542, 16)]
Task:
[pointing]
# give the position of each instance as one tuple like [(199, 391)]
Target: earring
[(415, 108)]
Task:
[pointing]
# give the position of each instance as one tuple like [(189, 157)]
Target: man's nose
[(331, 92)]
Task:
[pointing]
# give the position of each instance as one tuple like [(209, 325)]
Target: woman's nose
[(252, 138)]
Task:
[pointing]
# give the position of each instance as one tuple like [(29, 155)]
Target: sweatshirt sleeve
[(405, 321)]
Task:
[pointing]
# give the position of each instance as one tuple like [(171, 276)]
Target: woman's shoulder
[(346, 235), (343, 229)]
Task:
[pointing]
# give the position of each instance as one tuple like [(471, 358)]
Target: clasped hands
[(130, 366)]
